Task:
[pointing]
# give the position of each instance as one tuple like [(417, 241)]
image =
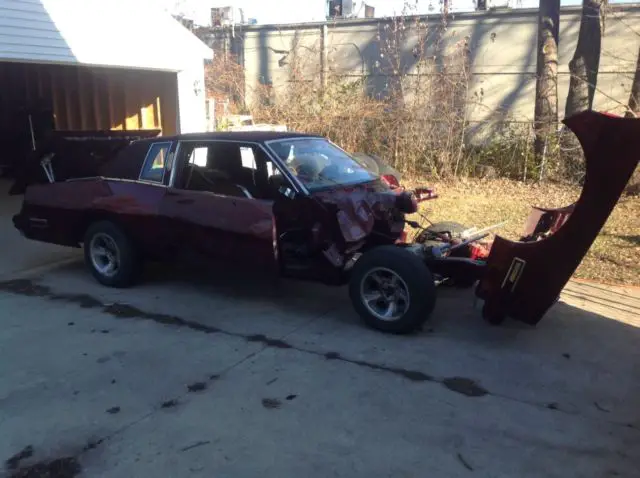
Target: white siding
[(27, 32), (96, 32), (191, 100)]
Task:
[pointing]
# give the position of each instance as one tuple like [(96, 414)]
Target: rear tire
[(110, 255), (415, 295)]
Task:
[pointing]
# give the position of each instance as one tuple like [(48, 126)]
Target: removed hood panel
[(524, 279)]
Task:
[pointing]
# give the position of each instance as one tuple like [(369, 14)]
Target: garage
[(89, 65)]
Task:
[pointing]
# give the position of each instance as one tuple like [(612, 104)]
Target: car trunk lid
[(72, 154)]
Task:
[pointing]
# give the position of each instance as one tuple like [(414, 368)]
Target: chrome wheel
[(385, 294), (104, 254)]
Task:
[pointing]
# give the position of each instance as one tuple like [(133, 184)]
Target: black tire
[(415, 275), (130, 264)]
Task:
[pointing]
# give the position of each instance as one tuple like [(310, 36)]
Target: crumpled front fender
[(523, 280)]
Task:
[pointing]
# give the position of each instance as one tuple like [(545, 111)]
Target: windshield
[(319, 164)]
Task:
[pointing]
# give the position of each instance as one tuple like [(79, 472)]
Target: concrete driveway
[(201, 374)]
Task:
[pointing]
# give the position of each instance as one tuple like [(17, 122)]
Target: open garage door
[(48, 97)]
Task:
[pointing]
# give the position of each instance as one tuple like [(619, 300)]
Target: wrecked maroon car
[(297, 206)]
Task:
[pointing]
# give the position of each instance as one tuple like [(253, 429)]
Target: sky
[(293, 11)]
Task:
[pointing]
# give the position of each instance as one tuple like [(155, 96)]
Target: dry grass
[(613, 258)]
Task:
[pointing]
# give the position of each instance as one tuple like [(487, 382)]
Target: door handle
[(185, 201)]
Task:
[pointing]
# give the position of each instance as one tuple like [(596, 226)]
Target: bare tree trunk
[(546, 109), (634, 98), (584, 65)]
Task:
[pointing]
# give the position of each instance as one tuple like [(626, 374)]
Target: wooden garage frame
[(87, 98)]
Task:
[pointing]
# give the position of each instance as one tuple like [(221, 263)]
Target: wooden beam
[(132, 109), (158, 114)]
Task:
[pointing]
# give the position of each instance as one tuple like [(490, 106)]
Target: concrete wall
[(502, 51)]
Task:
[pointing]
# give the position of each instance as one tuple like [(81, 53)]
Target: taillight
[(391, 181)]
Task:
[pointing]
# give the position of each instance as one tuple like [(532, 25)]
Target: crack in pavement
[(461, 385)]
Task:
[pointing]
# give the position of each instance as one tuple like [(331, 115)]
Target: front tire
[(110, 255), (392, 290)]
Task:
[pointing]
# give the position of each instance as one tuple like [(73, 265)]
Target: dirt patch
[(197, 387), (67, 467), (170, 403), (465, 386), (125, 311), (14, 462), (271, 403), (279, 344), (92, 445), (195, 445), (25, 287), (413, 375), (83, 300)]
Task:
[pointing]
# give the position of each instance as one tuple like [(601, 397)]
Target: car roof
[(249, 136)]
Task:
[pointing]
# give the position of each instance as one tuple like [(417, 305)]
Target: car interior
[(229, 169)]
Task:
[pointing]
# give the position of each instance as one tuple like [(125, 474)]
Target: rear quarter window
[(155, 163)]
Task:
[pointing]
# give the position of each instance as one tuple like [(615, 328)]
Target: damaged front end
[(327, 231), (518, 279)]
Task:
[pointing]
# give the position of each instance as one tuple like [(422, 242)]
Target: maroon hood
[(362, 208)]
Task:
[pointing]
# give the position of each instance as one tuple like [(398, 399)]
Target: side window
[(230, 169), (155, 164), (198, 156)]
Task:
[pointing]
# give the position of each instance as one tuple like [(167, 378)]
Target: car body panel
[(524, 279), (164, 220), (60, 212), (223, 228), (361, 209)]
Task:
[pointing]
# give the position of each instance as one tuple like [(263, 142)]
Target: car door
[(213, 215)]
